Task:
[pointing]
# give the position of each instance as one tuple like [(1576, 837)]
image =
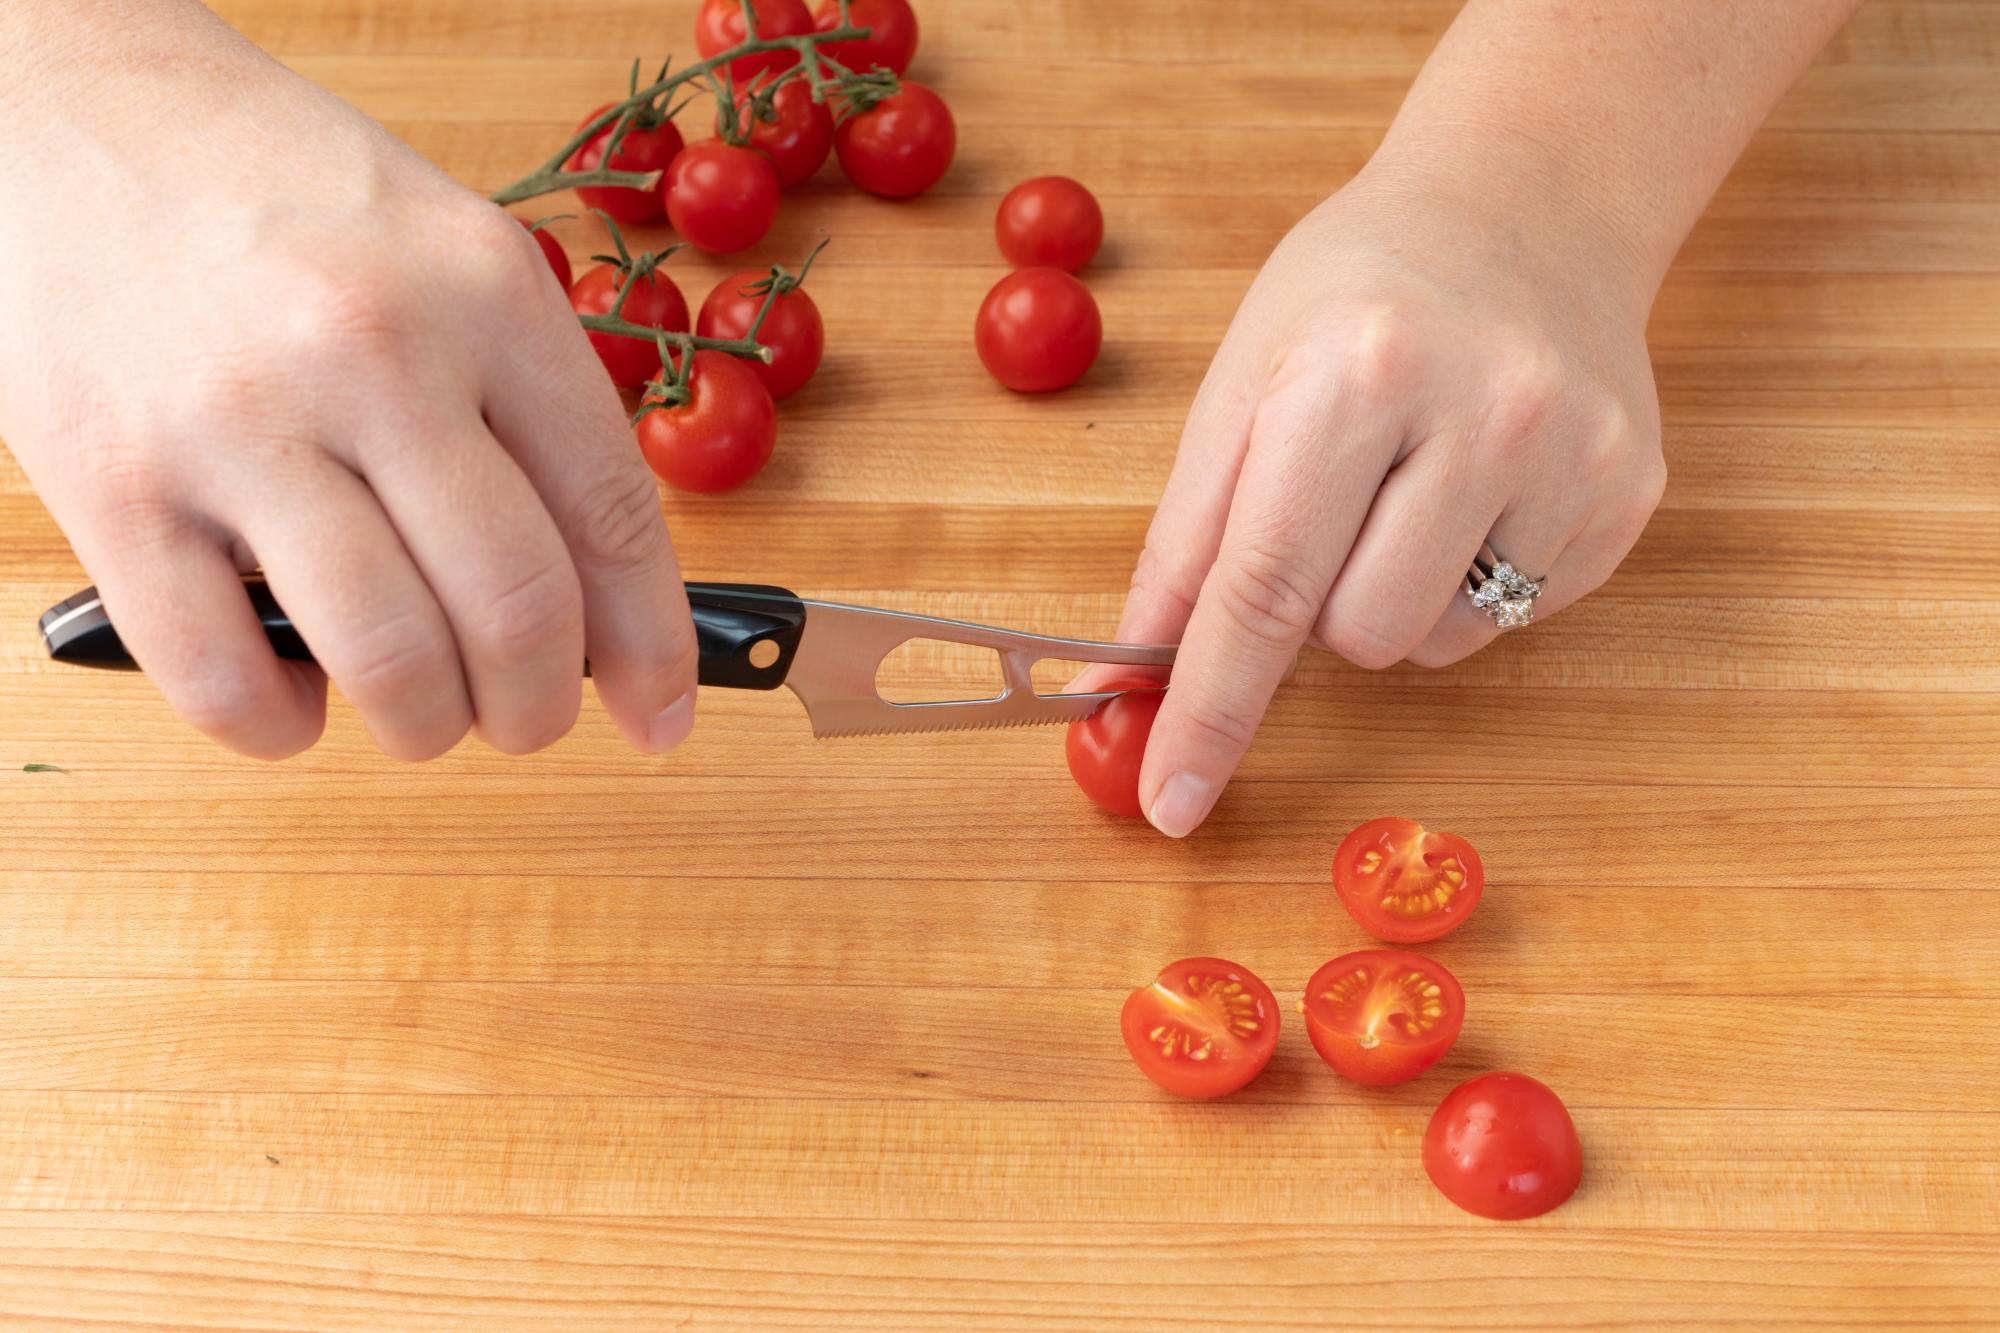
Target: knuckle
[(1266, 598), (616, 524), (496, 250), (1157, 577), (1217, 724), (356, 313), (394, 660), (133, 492), (535, 612), (533, 730), (1380, 353), (1364, 644)]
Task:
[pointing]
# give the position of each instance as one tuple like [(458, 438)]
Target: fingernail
[(1182, 804), (672, 726)]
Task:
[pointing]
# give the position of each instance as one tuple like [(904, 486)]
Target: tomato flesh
[(1204, 1028), (1406, 884), (1106, 748), (1503, 1146), (1381, 1016)]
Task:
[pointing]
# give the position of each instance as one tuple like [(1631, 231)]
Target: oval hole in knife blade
[(930, 671)]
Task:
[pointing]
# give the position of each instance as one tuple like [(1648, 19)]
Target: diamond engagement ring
[(1504, 593)]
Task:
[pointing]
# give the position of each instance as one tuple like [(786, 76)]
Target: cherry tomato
[(1105, 748), (718, 25), (722, 197), (899, 147), (891, 39), (1503, 1146), (640, 150), (656, 302), (1405, 884), (552, 251), (1381, 1016), (1038, 330), (1205, 1028), (801, 136), (1049, 222), (792, 330), (719, 438)]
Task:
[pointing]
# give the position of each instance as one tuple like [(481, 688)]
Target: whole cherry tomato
[(1049, 222), (1105, 748), (718, 25), (552, 251), (1503, 1146), (642, 149), (793, 330), (721, 437), (655, 302), (900, 146), (1038, 330), (798, 136), (1204, 1028), (1381, 1017), (722, 197), (1406, 884), (891, 39)]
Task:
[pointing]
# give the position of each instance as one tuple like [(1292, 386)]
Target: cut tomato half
[(1405, 884), (1204, 1028), (1383, 1016)]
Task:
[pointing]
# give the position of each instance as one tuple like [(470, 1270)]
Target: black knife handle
[(731, 621)]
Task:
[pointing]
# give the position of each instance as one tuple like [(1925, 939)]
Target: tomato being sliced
[(1503, 1146), (1204, 1028), (1382, 1016), (1106, 748), (1405, 884)]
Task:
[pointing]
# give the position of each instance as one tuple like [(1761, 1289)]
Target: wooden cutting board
[(784, 1034)]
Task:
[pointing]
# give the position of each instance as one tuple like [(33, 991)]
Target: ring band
[(1504, 593)]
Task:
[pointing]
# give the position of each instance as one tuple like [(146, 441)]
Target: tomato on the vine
[(642, 149), (718, 25), (1381, 1016), (1204, 1028), (899, 146), (1038, 330), (721, 436), (1049, 222), (1105, 749), (892, 34), (1405, 884), (798, 136), (1503, 1146), (655, 303), (792, 330), (552, 251), (721, 196)]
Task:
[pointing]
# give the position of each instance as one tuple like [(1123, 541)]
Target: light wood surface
[(784, 1034)]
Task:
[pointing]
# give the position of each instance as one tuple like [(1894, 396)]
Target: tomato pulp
[(1405, 884), (1106, 748), (1382, 1016), (1204, 1028), (1503, 1146)]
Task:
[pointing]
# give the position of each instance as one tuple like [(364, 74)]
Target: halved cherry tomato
[(892, 33), (719, 438), (652, 149), (1204, 1028), (1382, 1016), (1049, 222), (1503, 1146), (655, 302), (798, 136), (793, 330), (1105, 749), (721, 196), (718, 25), (1405, 884), (552, 251)]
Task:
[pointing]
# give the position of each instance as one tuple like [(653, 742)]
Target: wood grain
[(777, 1034)]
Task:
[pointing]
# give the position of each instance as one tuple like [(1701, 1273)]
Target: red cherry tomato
[(718, 25), (1503, 1146), (800, 137), (552, 251), (792, 330), (891, 39), (1105, 748), (899, 147), (719, 438), (1049, 222), (1038, 330), (1205, 1028), (1381, 1016), (639, 150), (722, 197), (1405, 884), (655, 302)]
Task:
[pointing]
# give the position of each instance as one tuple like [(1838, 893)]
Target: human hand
[(1410, 374), (241, 325)]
